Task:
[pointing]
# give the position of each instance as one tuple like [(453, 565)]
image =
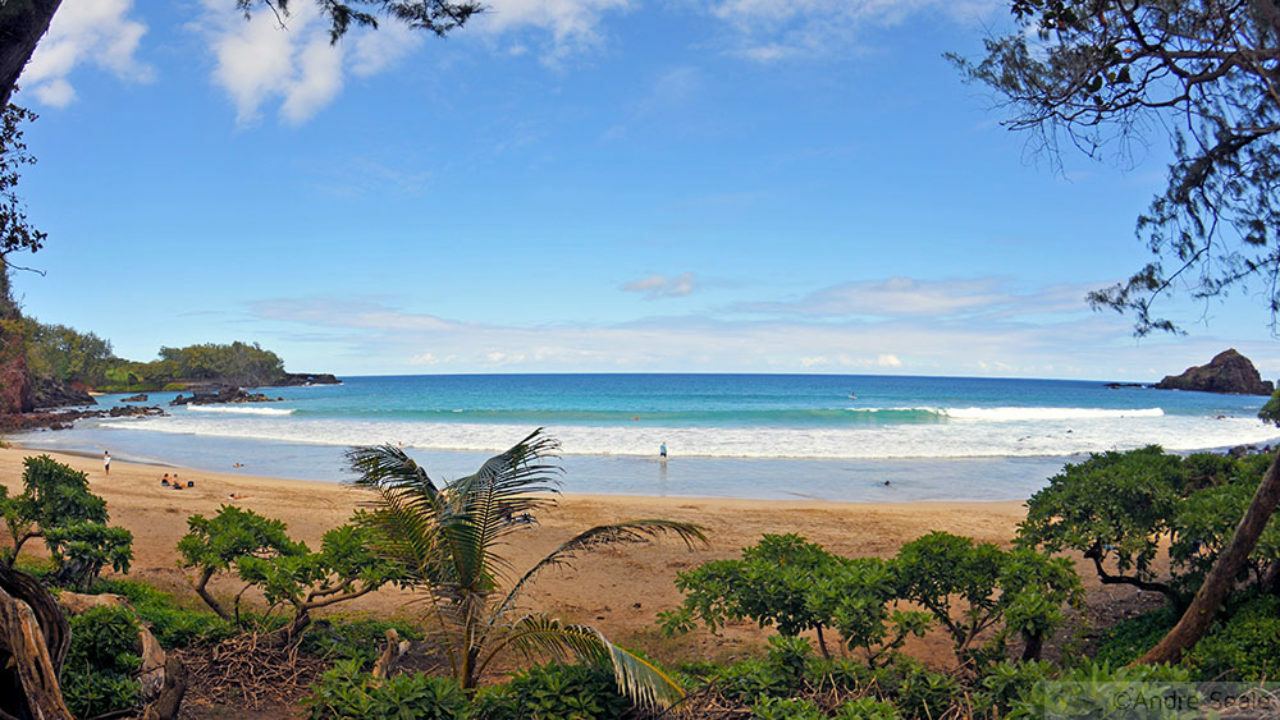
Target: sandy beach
[(619, 590)]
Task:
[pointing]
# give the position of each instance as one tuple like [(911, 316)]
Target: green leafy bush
[(1113, 507), (1246, 647), (346, 692), (1128, 639), (173, 625), (786, 709), (97, 675), (867, 708), (56, 504), (1096, 690), (556, 690)]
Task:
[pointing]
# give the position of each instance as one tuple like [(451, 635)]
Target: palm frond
[(485, 504), (633, 531), (644, 683)]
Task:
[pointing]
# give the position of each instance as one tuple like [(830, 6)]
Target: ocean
[(822, 437)]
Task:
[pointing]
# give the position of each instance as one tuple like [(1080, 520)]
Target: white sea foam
[(239, 410), (1012, 414), (1006, 438)]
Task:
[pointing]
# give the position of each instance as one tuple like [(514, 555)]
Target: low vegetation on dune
[(843, 628)]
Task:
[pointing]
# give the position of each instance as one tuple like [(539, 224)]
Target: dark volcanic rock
[(140, 397), (1229, 372), (54, 394), (1117, 386), (294, 379), (220, 396), (61, 420)]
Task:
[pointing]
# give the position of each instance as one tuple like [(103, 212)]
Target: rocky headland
[(1228, 372)]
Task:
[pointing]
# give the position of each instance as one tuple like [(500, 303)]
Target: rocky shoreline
[(1228, 373)]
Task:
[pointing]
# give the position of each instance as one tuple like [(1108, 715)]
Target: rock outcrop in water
[(1229, 372), (222, 395), (50, 393)]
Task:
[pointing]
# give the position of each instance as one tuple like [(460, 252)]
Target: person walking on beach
[(106, 462), (662, 450)]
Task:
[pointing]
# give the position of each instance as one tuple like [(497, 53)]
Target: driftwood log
[(34, 637)]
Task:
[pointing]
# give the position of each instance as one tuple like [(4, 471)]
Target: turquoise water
[(730, 435)]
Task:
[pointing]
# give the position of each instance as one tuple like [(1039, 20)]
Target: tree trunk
[(1222, 576), (34, 637), (22, 24), (202, 589), (167, 705)]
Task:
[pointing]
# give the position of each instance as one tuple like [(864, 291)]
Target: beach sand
[(619, 590)]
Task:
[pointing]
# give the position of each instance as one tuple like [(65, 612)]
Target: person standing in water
[(106, 461), (662, 450)]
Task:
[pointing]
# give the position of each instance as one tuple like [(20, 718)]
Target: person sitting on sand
[(165, 480)]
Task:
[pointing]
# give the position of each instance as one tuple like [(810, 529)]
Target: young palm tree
[(449, 538)]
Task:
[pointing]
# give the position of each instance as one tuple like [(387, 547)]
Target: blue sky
[(581, 185)]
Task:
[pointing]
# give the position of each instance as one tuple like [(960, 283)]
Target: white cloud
[(661, 286), (903, 296), (888, 360), (769, 30), (257, 61), (92, 32), (573, 25), (374, 52)]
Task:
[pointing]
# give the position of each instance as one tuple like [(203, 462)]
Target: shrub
[(1129, 639), (1246, 647), (556, 690), (173, 625), (1112, 506), (97, 676), (786, 709), (346, 692), (1094, 690), (866, 708)]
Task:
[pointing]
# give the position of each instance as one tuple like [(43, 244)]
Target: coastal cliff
[(1229, 372)]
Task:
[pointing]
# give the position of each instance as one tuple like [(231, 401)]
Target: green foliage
[(1129, 639), (866, 708), (1244, 648), (173, 626), (56, 504), (1271, 410), (97, 676), (354, 639), (344, 692), (1093, 690), (345, 566), (1111, 506), (287, 572), (798, 586), (16, 233), (238, 363), (556, 690), (1004, 684), (81, 550), (216, 543), (57, 353), (1206, 521), (966, 587), (780, 674), (786, 709)]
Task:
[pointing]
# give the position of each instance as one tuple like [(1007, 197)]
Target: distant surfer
[(662, 450)]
